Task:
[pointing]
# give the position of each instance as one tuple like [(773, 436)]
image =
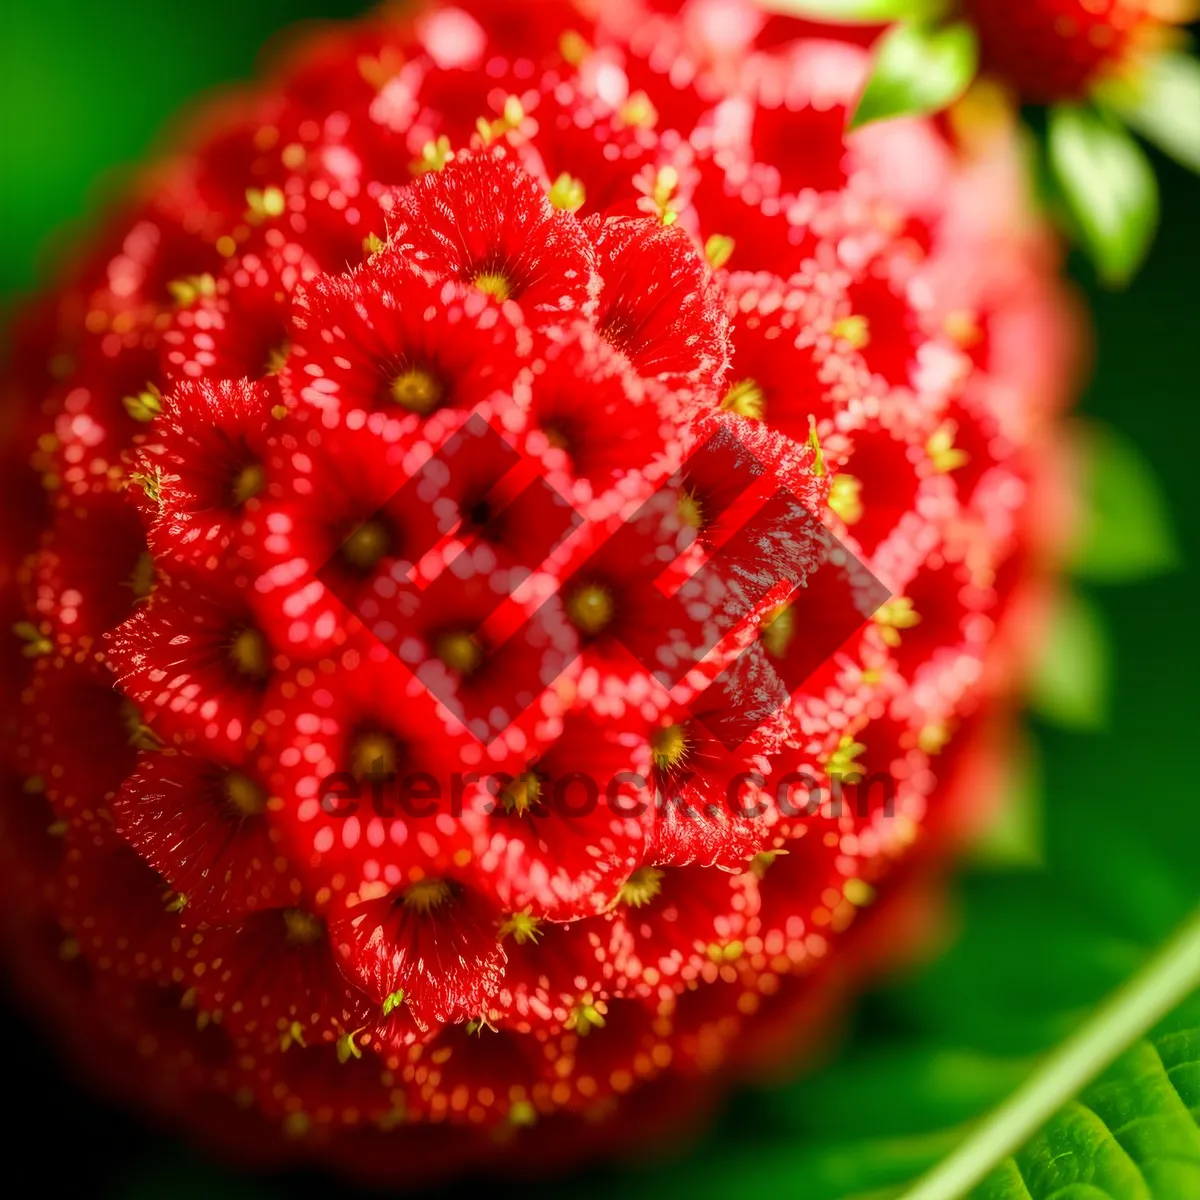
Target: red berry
[(478, 520)]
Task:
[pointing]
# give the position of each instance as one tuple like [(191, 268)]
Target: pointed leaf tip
[(918, 69), (1161, 102), (1108, 185)]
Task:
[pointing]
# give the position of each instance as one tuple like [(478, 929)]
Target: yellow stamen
[(690, 511), (417, 390), (302, 928), (718, 250), (858, 892), (568, 193), (372, 244), (522, 794), (293, 1034), (248, 482), (425, 896), (348, 1047), (557, 438), (897, 614), (459, 651), (962, 328), (933, 738), (746, 399), (730, 952), (36, 642), (141, 736), (855, 330), (587, 1015), (493, 283), (393, 1001), (669, 746), (373, 756), (590, 608), (942, 451), (663, 194), (522, 926), (638, 110), (815, 442), (522, 1114), (434, 156), (277, 358), (269, 202), (641, 887), (573, 46), (249, 654), (186, 291), (367, 545), (244, 795), (777, 630), (845, 498), (843, 762), (146, 405), (509, 119)]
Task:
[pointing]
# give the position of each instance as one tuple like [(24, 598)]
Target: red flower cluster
[(300, 845)]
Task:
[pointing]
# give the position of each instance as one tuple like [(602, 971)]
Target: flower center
[(493, 283), (669, 746), (417, 391), (277, 358), (302, 927), (523, 926), (373, 756), (141, 581), (459, 651), (426, 895), (522, 794), (746, 399), (245, 797), (590, 608), (248, 482), (641, 887), (367, 546), (690, 510), (248, 653), (557, 437), (778, 628)]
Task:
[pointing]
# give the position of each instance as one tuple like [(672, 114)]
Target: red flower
[(446, 695), (483, 221), (1056, 49)]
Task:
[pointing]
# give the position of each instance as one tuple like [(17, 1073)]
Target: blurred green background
[(86, 86)]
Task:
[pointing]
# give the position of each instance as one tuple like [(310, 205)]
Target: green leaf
[(1125, 532), (1130, 1133), (1109, 188), (1070, 684), (860, 12), (1161, 103), (918, 69)]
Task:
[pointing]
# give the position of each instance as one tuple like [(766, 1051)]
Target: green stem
[(1136, 1007)]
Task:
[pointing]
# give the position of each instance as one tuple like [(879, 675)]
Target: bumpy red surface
[(607, 239)]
